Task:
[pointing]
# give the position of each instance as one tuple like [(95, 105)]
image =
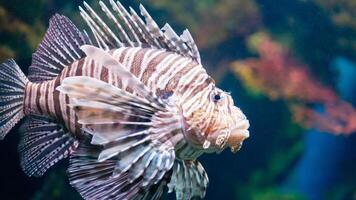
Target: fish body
[(132, 108), (159, 70)]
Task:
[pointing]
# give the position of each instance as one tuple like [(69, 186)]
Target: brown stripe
[(146, 58), (104, 75), (46, 97), (56, 102), (166, 68), (79, 69), (79, 72), (122, 60), (173, 83), (200, 87), (43, 98), (116, 80), (123, 54), (197, 89), (209, 115), (67, 112), (92, 66), (30, 98), (135, 69), (190, 83), (135, 63), (27, 95), (37, 97), (151, 66), (211, 126), (66, 101)]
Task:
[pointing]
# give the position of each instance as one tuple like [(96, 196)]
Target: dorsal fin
[(59, 48), (129, 30)]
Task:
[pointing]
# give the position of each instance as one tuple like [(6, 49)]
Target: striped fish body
[(130, 105), (164, 72)]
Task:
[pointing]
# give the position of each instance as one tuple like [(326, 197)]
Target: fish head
[(217, 123)]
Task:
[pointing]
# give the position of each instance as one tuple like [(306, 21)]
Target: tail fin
[(12, 92)]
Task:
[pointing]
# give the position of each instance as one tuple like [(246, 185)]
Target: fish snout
[(238, 135)]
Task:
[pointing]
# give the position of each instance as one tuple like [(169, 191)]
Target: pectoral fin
[(108, 180), (133, 137)]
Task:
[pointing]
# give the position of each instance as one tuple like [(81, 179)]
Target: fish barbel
[(128, 102)]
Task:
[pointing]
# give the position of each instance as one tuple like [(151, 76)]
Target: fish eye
[(217, 97)]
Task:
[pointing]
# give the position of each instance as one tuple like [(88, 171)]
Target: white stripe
[(127, 62), (50, 97), (147, 60), (62, 101), (33, 97), (187, 77), (113, 79), (96, 71), (198, 81), (85, 67), (71, 111), (197, 101), (117, 53), (209, 117), (42, 97), (172, 72), (129, 56), (166, 61)]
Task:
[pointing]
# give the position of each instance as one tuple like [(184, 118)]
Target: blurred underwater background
[(290, 66)]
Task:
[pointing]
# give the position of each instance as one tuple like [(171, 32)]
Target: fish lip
[(236, 148), (242, 124), (238, 134)]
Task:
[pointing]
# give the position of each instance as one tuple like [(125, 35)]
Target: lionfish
[(128, 103)]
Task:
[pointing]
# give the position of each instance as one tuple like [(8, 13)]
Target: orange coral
[(278, 75)]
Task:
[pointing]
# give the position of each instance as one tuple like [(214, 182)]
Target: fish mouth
[(238, 135)]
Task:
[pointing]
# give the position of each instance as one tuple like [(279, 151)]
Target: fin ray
[(97, 180), (142, 147), (132, 31), (12, 92), (43, 143), (189, 180), (59, 48)]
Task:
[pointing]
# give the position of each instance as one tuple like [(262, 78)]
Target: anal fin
[(189, 180), (43, 143)]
